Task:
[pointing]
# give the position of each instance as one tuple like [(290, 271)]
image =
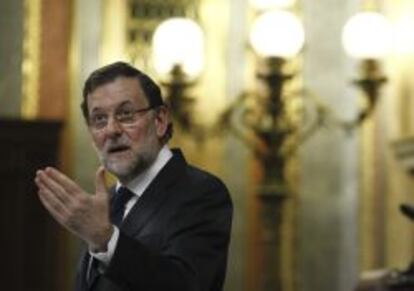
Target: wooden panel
[(54, 63)]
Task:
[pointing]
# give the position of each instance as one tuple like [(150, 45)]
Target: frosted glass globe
[(277, 33), (178, 41), (367, 35)]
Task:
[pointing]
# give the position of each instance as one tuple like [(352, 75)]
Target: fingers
[(44, 181), (54, 194), (86, 216), (51, 202), (59, 178)]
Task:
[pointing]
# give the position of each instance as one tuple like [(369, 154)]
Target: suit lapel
[(154, 195)]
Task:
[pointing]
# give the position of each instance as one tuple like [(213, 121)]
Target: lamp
[(367, 37), (276, 36), (178, 57), (277, 33), (178, 42)]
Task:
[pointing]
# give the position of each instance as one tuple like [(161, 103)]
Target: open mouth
[(118, 149)]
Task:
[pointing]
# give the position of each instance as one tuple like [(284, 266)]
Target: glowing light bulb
[(367, 35), (178, 41), (277, 33)]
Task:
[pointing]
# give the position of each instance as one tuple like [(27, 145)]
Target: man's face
[(126, 141)]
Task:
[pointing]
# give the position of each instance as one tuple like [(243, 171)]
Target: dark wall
[(29, 237)]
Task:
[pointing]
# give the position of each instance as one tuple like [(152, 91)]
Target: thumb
[(100, 182)]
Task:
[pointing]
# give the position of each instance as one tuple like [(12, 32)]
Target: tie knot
[(119, 200), (125, 192)]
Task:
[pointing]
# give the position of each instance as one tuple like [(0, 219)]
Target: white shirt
[(137, 186)]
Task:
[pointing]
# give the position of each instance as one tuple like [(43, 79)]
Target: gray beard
[(139, 165)]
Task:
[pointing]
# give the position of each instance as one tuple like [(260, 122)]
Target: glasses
[(124, 116)]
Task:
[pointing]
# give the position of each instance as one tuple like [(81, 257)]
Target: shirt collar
[(141, 182)]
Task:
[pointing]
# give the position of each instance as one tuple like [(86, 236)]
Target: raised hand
[(86, 215)]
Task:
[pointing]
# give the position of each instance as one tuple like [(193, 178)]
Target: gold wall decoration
[(31, 58), (144, 16)]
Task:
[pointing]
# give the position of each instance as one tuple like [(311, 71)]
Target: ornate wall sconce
[(178, 53), (367, 37), (276, 36)]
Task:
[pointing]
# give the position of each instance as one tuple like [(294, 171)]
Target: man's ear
[(162, 119)]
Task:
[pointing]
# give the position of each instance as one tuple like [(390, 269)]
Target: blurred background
[(304, 109)]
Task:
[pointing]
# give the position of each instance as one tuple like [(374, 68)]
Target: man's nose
[(113, 126)]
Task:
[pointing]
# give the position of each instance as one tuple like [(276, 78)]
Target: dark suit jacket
[(174, 239)]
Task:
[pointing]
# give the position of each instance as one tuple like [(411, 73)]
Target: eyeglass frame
[(124, 121)]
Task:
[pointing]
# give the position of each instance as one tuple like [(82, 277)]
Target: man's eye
[(99, 118), (126, 114)]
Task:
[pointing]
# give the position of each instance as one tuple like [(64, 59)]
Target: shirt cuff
[(105, 257)]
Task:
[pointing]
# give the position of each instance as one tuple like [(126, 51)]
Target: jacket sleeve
[(194, 257)]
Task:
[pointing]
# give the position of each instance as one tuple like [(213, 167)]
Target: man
[(172, 231)]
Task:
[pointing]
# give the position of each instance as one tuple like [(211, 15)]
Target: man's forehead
[(120, 84), (118, 91)]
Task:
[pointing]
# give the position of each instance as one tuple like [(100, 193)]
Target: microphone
[(407, 210)]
